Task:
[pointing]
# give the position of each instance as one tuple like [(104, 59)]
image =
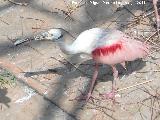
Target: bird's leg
[(123, 65), (157, 15), (156, 12), (89, 95), (111, 95), (93, 82)]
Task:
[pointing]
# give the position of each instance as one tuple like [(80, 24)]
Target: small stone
[(117, 95)]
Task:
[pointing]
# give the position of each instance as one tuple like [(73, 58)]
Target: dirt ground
[(44, 94)]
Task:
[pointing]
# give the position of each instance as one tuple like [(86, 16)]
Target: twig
[(152, 35), (33, 19), (17, 3), (139, 109), (149, 106), (128, 10), (148, 71), (70, 9), (4, 21), (103, 111), (114, 20), (134, 85), (153, 63), (67, 14)]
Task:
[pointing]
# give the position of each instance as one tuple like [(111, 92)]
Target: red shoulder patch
[(105, 50)]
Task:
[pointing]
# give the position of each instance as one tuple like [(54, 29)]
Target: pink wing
[(124, 49)]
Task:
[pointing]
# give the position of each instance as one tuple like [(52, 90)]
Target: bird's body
[(86, 41), (118, 48), (109, 47), (105, 46)]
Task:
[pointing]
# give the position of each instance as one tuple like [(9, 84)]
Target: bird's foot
[(158, 24), (111, 95)]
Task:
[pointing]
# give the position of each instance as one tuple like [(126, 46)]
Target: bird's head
[(54, 34), (58, 35)]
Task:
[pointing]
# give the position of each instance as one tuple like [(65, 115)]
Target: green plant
[(6, 78)]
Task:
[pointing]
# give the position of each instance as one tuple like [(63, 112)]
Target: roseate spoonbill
[(156, 13), (105, 46)]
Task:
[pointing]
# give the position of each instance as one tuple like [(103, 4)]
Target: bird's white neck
[(66, 48)]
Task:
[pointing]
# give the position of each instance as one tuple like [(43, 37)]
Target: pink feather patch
[(105, 50)]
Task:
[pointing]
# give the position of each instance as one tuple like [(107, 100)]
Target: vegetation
[(6, 79)]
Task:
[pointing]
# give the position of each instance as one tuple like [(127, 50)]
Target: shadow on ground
[(67, 78), (131, 66), (3, 98)]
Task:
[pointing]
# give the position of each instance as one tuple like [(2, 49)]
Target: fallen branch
[(18, 73), (134, 85)]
